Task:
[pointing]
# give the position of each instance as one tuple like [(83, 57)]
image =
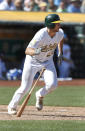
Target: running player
[(39, 54)]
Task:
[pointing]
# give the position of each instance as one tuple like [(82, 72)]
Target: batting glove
[(60, 58)]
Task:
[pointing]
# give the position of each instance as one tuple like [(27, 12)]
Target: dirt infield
[(48, 113), (41, 83)]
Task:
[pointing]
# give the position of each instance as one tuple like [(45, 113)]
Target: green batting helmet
[(51, 19)]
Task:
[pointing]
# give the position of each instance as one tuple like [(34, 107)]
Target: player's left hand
[(60, 58)]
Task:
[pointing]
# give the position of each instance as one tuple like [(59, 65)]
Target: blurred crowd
[(60, 6)]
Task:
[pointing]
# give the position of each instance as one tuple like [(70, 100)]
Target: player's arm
[(60, 46), (32, 51), (60, 50)]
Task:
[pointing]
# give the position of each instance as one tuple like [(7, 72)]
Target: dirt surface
[(74, 82), (48, 112)]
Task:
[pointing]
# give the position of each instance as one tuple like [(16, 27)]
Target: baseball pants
[(30, 69)]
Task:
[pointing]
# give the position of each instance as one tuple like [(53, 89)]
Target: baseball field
[(64, 109)]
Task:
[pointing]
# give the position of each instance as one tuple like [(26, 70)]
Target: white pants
[(30, 69)]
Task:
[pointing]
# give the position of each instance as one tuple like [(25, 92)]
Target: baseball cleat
[(39, 102), (12, 111)]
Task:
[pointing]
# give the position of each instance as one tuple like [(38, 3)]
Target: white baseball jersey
[(42, 39), (35, 64)]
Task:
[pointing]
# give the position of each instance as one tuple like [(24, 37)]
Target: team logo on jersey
[(48, 47)]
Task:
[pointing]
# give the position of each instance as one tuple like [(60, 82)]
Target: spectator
[(18, 5), (27, 1), (66, 65), (38, 1), (43, 6), (67, 2), (62, 7), (30, 5), (74, 6), (2, 67), (7, 5), (83, 6), (51, 7), (57, 2)]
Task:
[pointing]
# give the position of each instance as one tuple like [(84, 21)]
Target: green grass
[(62, 96), (42, 125)]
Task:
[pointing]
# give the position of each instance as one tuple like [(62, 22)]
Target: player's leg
[(27, 79), (50, 79)]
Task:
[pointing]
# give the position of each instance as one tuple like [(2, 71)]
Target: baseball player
[(39, 54)]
